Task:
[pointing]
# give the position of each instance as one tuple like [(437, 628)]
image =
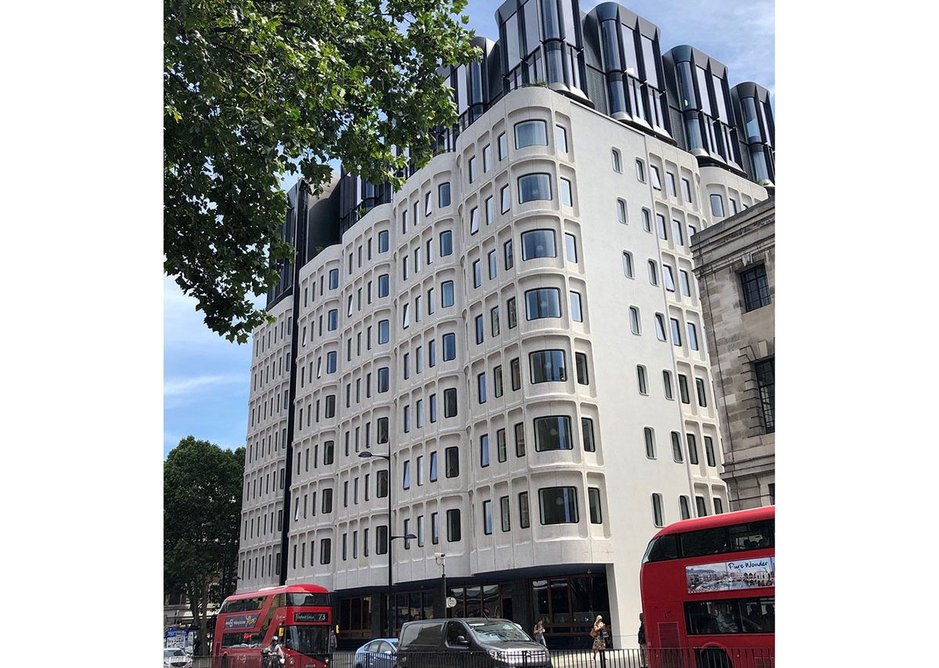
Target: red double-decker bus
[(300, 615), (708, 592)]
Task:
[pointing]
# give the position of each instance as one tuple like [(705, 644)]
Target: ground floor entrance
[(567, 599)]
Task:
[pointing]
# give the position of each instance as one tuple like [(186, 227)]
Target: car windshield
[(494, 631)]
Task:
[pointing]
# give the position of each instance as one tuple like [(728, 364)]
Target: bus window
[(744, 615), (752, 536), (308, 599), (662, 548), (707, 541)]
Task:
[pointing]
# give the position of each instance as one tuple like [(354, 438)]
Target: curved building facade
[(515, 341)]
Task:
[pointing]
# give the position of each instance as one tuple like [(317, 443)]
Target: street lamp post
[(367, 454)]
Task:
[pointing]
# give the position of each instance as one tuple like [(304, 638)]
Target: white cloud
[(182, 387)]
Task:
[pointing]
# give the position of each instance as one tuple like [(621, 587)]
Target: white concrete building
[(519, 329)]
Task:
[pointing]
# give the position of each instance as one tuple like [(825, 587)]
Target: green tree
[(257, 89), (202, 486)]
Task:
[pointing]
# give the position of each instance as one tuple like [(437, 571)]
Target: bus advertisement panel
[(299, 615), (708, 592)]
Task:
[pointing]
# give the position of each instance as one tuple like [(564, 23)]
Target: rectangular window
[(647, 220), (520, 439), (477, 274), (677, 233), (653, 272), (560, 139), (494, 321), (383, 241), (443, 194), (755, 288), (676, 447), (453, 525), (524, 520), (577, 314), (471, 168), (593, 498), (480, 329), (432, 470), (487, 157), (566, 192), (685, 283), (446, 243), (558, 505), (511, 314), (452, 462), (658, 519), (642, 379), (654, 177), (481, 387), (497, 381), (692, 335), (670, 179), (586, 429), (686, 190), (701, 506), (692, 448), (515, 373), (717, 206), (504, 513), (507, 255), (490, 211), (474, 220), (449, 402), (617, 160), (580, 360), (676, 332), (484, 450), (493, 264), (709, 451), (505, 197), (649, 437), (501, 453), (553, 432), (661, 227), (683, 389), (660, 327), (487, 517), (667, 384), (702, 395), (766, 382), (684, 507), (503, 147)]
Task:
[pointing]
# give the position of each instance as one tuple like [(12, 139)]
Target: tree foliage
[(257, 89), (202, 486)]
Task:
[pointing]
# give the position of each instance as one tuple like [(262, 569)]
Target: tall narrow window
[(683, 389), (717, 206), (634, 320), (654, 177), (657, 517), (676, 447), (586, 429), (766, 382), (484, 451), (504, 513), (560, 139), (628, 269), (660, 327), (443, 194), (577, 313), (646, 220), (621, 211), (524, 520), (676, 332), (593, 498), (566, 192), (640, 171), (617, 160), (692, 448), (581, 364), (487, 516), (667, 384), (453, 525), (642, 379), (684, 507), (709, 451), (692, 335), (649, 439), (702, 395)]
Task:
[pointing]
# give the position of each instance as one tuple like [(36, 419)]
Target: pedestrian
[(332, 640), (538, 633), (598, 633), (641, 637)]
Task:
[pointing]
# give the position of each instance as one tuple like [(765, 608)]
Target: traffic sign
[(451, 602)]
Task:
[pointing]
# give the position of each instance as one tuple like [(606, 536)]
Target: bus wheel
[(713, 658)]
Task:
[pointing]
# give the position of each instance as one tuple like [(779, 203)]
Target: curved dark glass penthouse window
[(532, 187), (538, 243), (541, 43)]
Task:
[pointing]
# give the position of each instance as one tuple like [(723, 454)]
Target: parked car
[(174, 657), (378, 653), (469, 642)]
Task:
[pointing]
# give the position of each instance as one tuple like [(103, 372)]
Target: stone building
[(735, 265)]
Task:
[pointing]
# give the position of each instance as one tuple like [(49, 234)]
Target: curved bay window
[(553, 433), (538, 243), (558, 505), (542, 303), (532, 187), (547, 366), (542, 43)]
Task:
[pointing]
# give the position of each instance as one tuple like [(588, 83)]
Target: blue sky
[(206, 378)]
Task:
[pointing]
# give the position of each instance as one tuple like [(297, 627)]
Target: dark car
[(469, 642), (378, 653)]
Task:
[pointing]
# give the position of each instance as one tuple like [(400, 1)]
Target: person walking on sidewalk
[(538, 633), (598, 633), (641, 637)]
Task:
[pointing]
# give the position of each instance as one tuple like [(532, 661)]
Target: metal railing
[(610, 658)]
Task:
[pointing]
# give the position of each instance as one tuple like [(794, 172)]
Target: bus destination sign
[(731, 575), (311, 616)]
